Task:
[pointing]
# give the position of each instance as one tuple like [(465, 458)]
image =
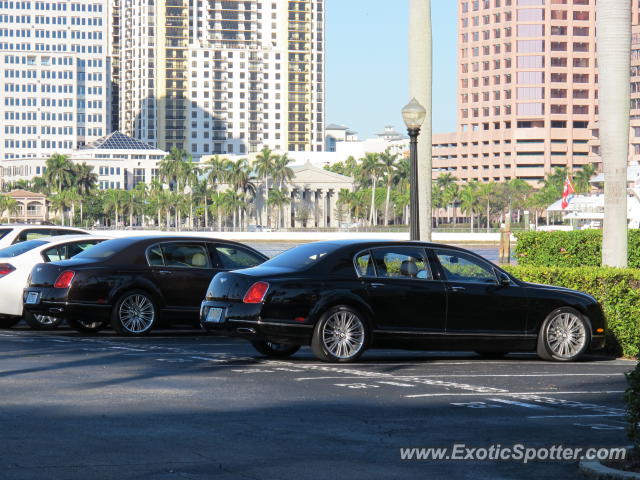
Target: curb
[(596, 470)]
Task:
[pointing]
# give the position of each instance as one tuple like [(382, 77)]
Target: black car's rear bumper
[(53, 301), (246, 322)]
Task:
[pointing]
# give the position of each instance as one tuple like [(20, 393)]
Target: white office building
[(54, 76), (225, 77)]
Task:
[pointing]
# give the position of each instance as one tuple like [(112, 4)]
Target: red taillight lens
[(6, 269), (256, 293), (64, 279)]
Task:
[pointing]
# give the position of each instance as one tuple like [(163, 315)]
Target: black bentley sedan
[(134, 282), (342, 297)]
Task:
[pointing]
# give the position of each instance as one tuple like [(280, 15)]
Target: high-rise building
[(527, 89), (114, 55), (54, 76), (213, 76)]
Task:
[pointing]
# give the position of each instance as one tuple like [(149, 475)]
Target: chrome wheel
[(566, 335), (136, 313), (47, 320), (343, 334)]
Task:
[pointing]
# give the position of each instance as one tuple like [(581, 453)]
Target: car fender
[(136, 283), (340, 297)]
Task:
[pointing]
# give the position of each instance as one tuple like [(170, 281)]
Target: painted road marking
[(506, 393), (519, 404)]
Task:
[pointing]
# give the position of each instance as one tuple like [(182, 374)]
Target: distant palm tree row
[(382, 194), (185, 194), (222, 193)]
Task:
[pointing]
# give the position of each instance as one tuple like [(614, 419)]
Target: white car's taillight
[(6, 269)]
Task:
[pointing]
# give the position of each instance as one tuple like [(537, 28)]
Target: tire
[(134, 314), (277, 350), (565, 335), (42, 322), (340, 336), (86, 326), (8, 322)]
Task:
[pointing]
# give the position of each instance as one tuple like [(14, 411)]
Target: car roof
[(375, 242)]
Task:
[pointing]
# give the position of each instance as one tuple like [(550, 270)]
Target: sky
[(366, 63)]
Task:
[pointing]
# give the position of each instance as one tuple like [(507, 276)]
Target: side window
[(154, 256), (233, 258), (33, 234), (460, 267), (185, 255), (52, 254), (364, 265), (72, 249), (401, 262), (67, 232)]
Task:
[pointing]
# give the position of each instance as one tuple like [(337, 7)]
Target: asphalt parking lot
[(182, 405)]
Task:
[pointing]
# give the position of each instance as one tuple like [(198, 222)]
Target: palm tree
[(263, 166), (613, 45), (279, 198), (371, 167), (388, 161), (59, 171), (450, 197), (170, 167), (582, 177), (240, 179), (215, 170), (486, 193), (469, 200), (85, 181), (113, 202), (189, 174), (59, 202), (9, 206)]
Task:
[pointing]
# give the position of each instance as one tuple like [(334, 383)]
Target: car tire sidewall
[(317, 345), (543, 349), (31, 320), (116, 324)]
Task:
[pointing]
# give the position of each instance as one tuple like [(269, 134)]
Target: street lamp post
[(413, 114)]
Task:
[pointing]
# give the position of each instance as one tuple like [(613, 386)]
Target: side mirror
[(504, 279)]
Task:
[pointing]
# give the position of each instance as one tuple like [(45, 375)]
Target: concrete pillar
[(420, 53), (323, 208)]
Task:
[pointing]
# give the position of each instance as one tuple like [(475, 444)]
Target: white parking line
[(519, 404), (578, 416), (595, 392), (472, 375)]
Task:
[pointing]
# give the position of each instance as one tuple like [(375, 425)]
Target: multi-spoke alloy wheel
[(340, 335), (134, 314), (42, 322), (564, 336)]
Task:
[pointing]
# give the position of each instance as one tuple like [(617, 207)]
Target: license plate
[(215, 315), (32, 297)]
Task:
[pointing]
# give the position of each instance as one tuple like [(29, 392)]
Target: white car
[(12, 234), (16, 263)]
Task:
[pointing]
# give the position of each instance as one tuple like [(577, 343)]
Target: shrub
[(617, 290), (569, 249), (632, 399)]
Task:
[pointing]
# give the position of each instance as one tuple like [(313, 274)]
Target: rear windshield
[(105, 250), (20, 248), (4, 232), (302, 256)]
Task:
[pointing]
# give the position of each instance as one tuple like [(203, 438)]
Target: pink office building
[(527, 90)]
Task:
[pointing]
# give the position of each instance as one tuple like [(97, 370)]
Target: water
[(271, 249)]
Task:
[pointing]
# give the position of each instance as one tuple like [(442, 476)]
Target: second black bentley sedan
[(133, 282), (342, 297)]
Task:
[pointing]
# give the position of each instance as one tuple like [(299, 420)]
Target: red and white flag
[(567, 193)]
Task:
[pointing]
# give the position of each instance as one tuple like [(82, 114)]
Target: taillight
[(256, 293), (6, 269), (64, 279)]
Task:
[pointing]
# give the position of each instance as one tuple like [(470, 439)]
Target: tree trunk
[(613, 47), (373, 200), (386, 205)]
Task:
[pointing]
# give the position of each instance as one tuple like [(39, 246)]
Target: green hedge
[(617, 290), (569, 249)]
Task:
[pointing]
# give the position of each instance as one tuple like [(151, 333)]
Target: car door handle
[(457, 288), (376, 285), (164, 272)]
